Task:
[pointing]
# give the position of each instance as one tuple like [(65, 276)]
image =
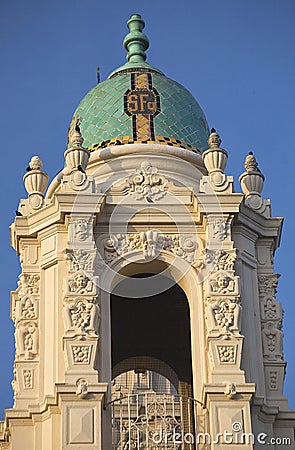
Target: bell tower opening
[(153, 333), (152, 398)]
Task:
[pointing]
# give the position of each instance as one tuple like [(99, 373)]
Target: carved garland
[(150, 243), (147, 184)]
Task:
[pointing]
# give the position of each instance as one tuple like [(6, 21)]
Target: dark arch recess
[(156, 327)]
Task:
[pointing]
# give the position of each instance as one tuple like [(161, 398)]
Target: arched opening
[(152, 398), (153, 332)]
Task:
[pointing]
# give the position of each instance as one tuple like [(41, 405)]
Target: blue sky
[(236, 57)]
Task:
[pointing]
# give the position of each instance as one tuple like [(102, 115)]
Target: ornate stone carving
[(150, 243), (15, 384), (24, 309), (147, 184), (216, 261), (273, 380), (28, 378), (271, 309), (222, 283), (81, 317), (81, 354), (27, 340), (230, 391), (80, 283), (219, 229), (184, 246), (82, 388), (272, 341), (205, 260), (268, 284), (120, 244), (28, 308), (227, 354), (79, 259), (24, 304), (29, 284), (222, 315), (224, 260), (80, 229)]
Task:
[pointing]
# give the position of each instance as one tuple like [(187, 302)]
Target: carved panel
[(224, 260), (219, 229), (80, 259), (265, 253), (29, 254), (81, 284), (227, 354), (24, 305), (27, 340), (272, 341), (15, 383), (81, 354), (29, 284), (271, 309), (268, 284), (26, 308), (27, 378), (273, 380), (80, 229), (223, 315), (223, 283), (81, 316)]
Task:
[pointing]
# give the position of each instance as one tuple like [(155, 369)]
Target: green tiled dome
[(138, 103), (103, 118)]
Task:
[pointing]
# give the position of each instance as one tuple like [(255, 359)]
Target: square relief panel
[(81, 426)]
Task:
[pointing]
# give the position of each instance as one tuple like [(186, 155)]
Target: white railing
[(149, 421)]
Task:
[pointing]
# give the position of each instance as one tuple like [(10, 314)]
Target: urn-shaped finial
[(35, 163), (76, 138), (215, 158), (252, 180), (250, 163), (214, 140), (76, 156), (35, 179)]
